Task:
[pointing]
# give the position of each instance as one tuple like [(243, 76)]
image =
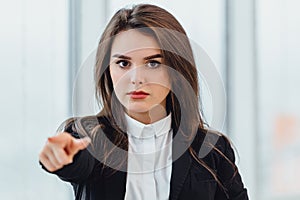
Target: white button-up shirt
[(149, 159)]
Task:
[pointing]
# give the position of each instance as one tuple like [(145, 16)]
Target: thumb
[(80, 144)]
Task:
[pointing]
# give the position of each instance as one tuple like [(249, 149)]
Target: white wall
[(279, 109), (34, 94), (89, 27), (242, 89)]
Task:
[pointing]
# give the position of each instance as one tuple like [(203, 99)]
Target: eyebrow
[(146, 58)]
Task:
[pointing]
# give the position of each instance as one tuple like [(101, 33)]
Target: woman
[(146, 143)]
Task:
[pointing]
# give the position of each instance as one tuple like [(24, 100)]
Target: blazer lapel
[(180, 169), (115, 186), (114, 181)]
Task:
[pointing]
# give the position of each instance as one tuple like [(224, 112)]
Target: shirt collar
[(143, 131)]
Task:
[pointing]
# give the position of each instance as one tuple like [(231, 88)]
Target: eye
[(123, 63), (153, 64)]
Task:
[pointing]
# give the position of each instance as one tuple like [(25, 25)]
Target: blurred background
[(255, 46)]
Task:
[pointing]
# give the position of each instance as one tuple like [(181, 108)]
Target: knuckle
[(52, 169), (59, 166), (70, 161), (41, 155), (62, 162)]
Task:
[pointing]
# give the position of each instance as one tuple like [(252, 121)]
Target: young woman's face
[(141, 81)]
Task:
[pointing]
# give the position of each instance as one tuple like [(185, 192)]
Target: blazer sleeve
[(229, 174), (81, 167)]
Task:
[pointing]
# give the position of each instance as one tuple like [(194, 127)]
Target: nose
[(137, 76)]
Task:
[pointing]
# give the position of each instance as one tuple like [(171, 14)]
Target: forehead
[(133, 40)]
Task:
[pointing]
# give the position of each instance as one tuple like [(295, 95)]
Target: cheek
[(116, 77), (163, 91), (160, 86), (120, 83), (162, 80)]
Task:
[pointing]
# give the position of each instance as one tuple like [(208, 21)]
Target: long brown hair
[(173, 41), (177, 54)]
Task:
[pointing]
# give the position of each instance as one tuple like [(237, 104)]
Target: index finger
[(60, 138), (78, 144)]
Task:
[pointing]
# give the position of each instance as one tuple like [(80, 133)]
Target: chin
[(134, 108)]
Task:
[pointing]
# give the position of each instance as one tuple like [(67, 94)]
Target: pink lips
[(138, 94)]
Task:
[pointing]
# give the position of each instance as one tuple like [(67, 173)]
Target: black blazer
[(189, 179)]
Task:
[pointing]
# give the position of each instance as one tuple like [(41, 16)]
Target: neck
[(157, 113)]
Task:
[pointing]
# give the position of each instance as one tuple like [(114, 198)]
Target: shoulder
[(209, 141), (214, 149), (84, 126)]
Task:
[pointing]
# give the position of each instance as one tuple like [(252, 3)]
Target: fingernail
[(87, 139)]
